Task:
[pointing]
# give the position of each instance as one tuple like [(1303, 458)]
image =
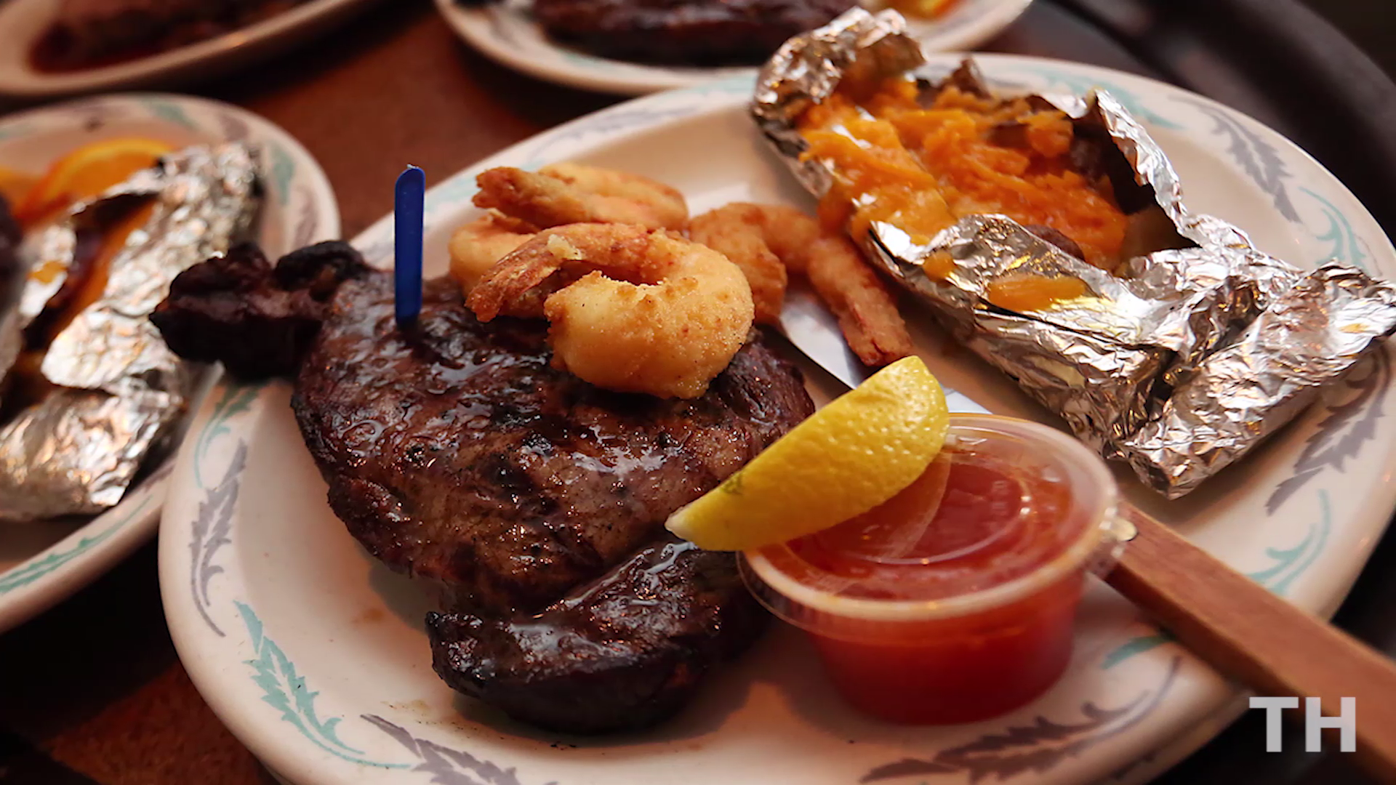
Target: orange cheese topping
[(922, 168), (1026, 292)]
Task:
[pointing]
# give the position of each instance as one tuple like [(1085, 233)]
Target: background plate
[(42, 563), (22, 22), (320, 666), (505, 32)]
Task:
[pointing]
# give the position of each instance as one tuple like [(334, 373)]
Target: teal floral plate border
[(300, 208), (315, 658)]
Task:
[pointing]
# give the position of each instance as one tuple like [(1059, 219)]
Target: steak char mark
[(455, 452)]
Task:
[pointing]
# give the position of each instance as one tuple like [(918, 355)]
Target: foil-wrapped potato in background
[(1179, 363), (113, 390)]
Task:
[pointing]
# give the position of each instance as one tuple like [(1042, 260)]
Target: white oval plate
[(506, 33), (42, 563), (22, 22), (314, 655)]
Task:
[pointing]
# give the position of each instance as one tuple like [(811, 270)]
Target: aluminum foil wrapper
[(1179, 365), (119, 390)]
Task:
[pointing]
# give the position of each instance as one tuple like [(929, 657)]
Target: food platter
[(506, 33), (41, 563), (23, 22), (313, 654)]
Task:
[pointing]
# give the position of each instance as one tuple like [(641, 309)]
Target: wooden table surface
[(93, 691)]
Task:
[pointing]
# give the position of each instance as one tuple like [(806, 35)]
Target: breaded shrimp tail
[(653, 313)]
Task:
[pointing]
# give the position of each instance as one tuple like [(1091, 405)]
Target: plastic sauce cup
[(954, 601)]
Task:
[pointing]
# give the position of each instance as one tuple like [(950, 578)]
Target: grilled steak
[(623, 652), (689, 32), (456, 453)]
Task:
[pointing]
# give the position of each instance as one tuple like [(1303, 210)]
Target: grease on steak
[(455, 453), (255, 319), (624, 652)]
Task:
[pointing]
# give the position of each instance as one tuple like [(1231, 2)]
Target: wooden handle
[(1255, 637)]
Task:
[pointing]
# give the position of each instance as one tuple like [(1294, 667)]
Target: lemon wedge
[(852, 455)]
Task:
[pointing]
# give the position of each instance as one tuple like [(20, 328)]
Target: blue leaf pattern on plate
[(1037, 747), (1345, 429), (234, 128), (1344, 244), (285, 690), (170, 112), (1257, 158), (236, 398), (445, 765), (282, 170), (209, 532), (34, 569)]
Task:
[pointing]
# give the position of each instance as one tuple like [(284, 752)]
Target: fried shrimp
[(865, 307), (753, 238), (652, 313), (521, 203), (569, 193), (476, 246), (768, 242)]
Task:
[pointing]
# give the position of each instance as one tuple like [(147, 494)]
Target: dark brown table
[(93, 691)]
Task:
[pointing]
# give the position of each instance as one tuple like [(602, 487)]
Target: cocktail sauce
[(953, 601)]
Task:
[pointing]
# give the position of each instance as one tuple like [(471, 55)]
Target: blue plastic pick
[(409, 208)]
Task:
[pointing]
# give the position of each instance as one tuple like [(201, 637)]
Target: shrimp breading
[(666, 203), (575, 204), (569, 193), (768, 242), (476, 246), (522, 203), (744, 234), (865, 307), (652, 313)]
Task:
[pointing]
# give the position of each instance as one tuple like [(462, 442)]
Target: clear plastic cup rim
[(1097, 543)]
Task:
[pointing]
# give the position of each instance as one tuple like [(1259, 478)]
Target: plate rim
[(472, 25), (27, 82), (295, 756), (120, 539)]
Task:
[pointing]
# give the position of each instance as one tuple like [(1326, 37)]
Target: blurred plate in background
[(24, 22), (506, 33), (42, 563)]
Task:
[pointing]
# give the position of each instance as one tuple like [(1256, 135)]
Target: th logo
[(1314, 722)]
